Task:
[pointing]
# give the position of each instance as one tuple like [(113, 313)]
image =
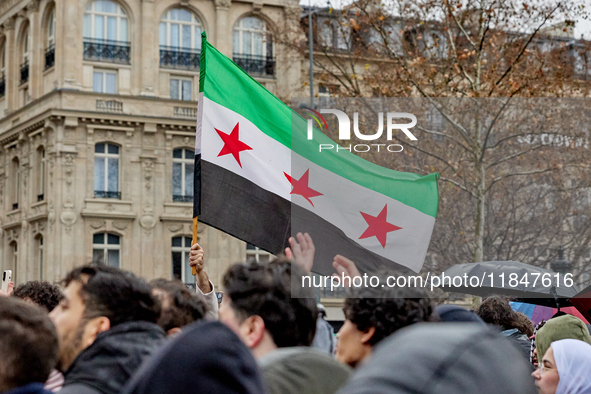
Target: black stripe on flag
[(248, 212)]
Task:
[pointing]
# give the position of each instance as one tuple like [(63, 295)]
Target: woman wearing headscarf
[(565, 368)]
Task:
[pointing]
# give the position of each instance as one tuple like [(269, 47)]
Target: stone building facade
[(98, 110)]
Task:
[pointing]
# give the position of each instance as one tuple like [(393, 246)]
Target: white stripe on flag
[(342, 200)]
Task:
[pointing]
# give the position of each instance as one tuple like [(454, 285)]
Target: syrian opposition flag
[(258, 178)]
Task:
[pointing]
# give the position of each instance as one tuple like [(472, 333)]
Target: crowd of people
[(103, 330)]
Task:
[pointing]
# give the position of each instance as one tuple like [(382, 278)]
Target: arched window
[(106, 32), (181, 269), (183, 167), (40, 173), (25, 55), (105, 20), (15, 184), (50, 42), (180, 40), (253, 47), (106, 171), (106, 249)]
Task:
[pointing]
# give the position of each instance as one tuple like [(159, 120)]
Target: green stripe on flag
[(227, 84)]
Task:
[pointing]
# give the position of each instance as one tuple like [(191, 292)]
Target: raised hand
[(302, 251)]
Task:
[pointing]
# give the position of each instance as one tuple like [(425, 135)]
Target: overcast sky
[(582, 26)]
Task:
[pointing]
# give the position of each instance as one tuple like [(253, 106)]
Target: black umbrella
[(520, 281)]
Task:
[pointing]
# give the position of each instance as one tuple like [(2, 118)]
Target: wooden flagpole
[(194, 241)]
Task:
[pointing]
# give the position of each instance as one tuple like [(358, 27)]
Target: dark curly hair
[(119, 295), (265, 290), (180, 306), (389, 313), (41, 293), (496, 310)]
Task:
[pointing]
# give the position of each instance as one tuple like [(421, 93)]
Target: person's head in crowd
[(456, 314), (28, 344), (258, 306), (96, 299), (523, 324), (451, 358), (207, 357), (368, 320), (497, 311), (565, 368), (180, 306), (562, 327), (41, 293)]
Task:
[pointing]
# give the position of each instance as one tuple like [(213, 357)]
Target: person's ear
[(367, 335), (253, 331), (173, 332), (93, 328)]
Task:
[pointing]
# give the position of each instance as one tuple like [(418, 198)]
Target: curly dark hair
[(265, 290), (497, 311), (41, 293), (389, 313), (180, 306), (523, 324), (119, 295)]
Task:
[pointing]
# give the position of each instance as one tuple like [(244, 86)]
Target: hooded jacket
[(562, 327), (206, 358), (106, 365), (520, 340), (302, 369), (441, 358)]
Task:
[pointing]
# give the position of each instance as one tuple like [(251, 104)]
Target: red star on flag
[(378, 226), (300, 186), (232, 145)]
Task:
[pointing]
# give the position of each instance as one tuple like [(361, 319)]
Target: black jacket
[(106, 365), (206, 358)]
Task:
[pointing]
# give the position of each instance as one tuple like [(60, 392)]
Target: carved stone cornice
[(222, 3)]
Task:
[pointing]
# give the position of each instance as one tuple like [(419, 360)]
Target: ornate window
[(183, 167), (40, 174), (50, 44), (253, 47), (3, 69), (106, 171), (106, 249), (181, 269), (106, 32), (39, 255), (180, 40), (16, 181), (13, 258)]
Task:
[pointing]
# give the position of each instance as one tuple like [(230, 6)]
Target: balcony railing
[(50, 57), (106, 194), (2, 86), (106, 50), (256, 65), (185, 112), (109, 106), (179, 58), (25, 72), (178, 198)]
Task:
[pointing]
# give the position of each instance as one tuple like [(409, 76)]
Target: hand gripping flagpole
[(197, 180)]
